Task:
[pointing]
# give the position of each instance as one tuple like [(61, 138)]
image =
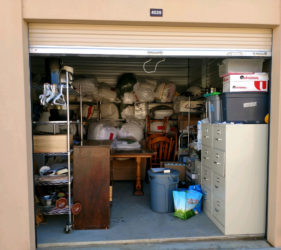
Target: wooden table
[(138, 155)]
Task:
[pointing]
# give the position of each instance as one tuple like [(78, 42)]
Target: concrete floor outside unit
[(133, 225)]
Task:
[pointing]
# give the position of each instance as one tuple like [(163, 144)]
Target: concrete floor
[(134, 225)]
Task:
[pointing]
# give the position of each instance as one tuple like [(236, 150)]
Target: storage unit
[(107, 67), (234, 177), (249, 30)]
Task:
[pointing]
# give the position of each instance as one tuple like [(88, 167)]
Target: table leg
[(138, 190)]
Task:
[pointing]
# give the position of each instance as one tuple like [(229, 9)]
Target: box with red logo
[(250, 82)]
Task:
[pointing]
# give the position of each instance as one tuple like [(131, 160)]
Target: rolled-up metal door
[(46, 38)]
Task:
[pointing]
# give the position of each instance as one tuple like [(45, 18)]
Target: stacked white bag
[(132, 129), (144, 91), (165, 92), (102, 131)]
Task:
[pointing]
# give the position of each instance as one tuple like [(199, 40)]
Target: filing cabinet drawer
[(218, 162), (206, 156), (219, 137), (207, 200), (218, 209), (207, 177), (207, 134), (218, 184)]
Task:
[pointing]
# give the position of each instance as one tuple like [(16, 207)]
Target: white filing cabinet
[(234, 176)]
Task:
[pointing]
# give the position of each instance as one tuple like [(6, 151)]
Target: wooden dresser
[(91, 171)]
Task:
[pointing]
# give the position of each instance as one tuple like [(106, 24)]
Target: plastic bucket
[(214, 108), (161, 190)]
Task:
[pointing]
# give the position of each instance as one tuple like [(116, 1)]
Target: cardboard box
[(50, 143), (256, 82), (180, 166)]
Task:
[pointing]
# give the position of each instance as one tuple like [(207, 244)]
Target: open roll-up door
[(148, 40)]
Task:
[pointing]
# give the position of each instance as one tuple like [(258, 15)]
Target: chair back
[(163, 146)]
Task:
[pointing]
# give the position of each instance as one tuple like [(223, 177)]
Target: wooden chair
[(163, 146), (151, 134)]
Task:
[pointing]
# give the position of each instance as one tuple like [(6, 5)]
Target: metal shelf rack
[(68, 180)]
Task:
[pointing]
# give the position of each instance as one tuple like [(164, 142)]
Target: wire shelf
[(52, 180), (57, 211)]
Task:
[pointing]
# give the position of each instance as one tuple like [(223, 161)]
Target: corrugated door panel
[(145, 39), (108, 69)]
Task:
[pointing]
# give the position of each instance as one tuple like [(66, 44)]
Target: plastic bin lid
[(211, 94), (173, 172)]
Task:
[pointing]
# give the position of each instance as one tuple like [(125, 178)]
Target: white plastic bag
[(128, 112), (140, 110), (89, 86), (101, 131), (105, 92), (131, 129), (139, 122), (129, 98), (109, 111), (195, 91), (165, 92), (144, 91), (125, 145)]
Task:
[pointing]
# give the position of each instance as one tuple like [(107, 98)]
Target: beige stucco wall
[(197, 12), (274, 194), (16, 192)]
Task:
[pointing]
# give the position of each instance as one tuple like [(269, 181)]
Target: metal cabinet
[(234, 176)]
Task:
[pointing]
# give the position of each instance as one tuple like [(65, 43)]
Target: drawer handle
[(217, 156), (217, 210), (205, 158), (206, 136), (219, 132), (205, 178), (216, 186), (217, 163), (218, 139), (206, 152)]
